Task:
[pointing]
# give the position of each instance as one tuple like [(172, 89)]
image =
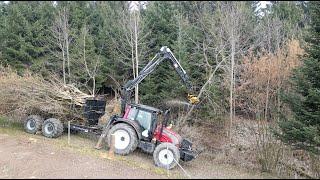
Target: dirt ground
[(24, 155)]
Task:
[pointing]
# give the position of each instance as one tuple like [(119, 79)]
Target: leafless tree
[(60, 33), (130, 40), (66, 28), (94, 64), (225, 41)]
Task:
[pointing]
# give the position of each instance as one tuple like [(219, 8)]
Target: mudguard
[(132, 123)]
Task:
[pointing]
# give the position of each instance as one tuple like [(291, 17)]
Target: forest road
[(24, 155)]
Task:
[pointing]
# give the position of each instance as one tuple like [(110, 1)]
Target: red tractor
[(137, 125)]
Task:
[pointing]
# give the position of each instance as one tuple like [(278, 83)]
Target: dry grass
[(253, 148), (275, 157)]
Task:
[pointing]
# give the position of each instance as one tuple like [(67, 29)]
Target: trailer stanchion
[(68, 132)]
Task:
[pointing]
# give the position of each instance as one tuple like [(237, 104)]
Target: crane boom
[(164, 54)]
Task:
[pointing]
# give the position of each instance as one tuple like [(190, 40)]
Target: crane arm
[(181, 72), (179, 69), (164, 54)]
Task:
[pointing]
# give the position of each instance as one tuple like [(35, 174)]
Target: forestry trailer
[(137, 125)]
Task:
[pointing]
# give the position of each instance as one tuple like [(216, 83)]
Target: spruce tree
[(163, 83), (302, 130), (22, 33)]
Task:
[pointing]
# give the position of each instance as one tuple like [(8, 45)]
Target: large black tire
[(126, 140), (33, 124), (163, 155), (52, 128)]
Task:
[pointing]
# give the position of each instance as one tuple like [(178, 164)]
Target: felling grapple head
[(193, 99)]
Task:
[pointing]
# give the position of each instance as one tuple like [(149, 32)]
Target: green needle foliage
[(303, 129)]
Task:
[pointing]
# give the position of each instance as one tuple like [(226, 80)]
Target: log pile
[(29, 93)]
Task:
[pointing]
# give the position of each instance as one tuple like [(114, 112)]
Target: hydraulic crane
[(164, 54)]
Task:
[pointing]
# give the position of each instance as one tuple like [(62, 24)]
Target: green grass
[(84, 145), (10, 127)]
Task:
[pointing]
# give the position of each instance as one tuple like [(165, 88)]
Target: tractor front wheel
[(166, 155)]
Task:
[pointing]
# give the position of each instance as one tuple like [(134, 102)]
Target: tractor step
[(147, 147)]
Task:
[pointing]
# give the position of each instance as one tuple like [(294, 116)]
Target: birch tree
[(226, 32), (65, 31), (136, 20), (129, 39), (91, 66), (59, 39)]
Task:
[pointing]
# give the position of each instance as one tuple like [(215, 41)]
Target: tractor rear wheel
[(52, 128), (166, 155), (33, 124), (126, 140)]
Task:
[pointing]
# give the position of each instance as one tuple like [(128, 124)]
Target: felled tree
[(32, 94)]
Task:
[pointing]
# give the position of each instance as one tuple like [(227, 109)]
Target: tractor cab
[(153, 123), (146, 116)]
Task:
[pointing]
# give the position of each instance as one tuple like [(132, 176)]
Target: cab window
[(144, 118)]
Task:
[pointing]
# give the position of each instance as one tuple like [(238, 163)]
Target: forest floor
[(24, 155)]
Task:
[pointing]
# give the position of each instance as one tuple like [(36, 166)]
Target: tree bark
[(231, 84), (136, 51), (66, 38)]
